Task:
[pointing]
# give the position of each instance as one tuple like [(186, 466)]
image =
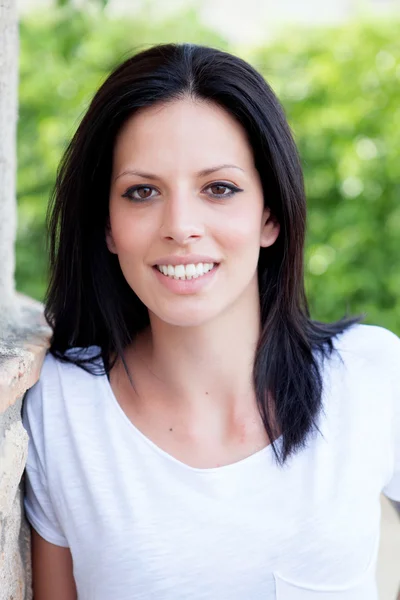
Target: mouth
[(186, 272)]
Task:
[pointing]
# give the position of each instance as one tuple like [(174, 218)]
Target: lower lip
[(186, 286)]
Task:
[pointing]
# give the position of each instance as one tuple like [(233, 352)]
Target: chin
[(181, 317)]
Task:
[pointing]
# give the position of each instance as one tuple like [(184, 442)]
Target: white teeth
[(200, 269), (183, 272), (190, 270), (180, 271)]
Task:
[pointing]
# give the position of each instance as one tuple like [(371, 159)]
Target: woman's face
[(185, 195)]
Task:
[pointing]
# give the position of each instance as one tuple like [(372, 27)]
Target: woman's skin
[(193, 368), (52, 574)]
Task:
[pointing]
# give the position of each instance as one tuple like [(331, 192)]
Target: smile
[(186, 272)]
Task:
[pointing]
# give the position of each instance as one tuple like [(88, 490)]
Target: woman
[(194, 434)]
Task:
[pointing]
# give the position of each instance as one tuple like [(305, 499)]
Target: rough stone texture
[(22, 350), (8, 124), (14, 583), (13, 455)]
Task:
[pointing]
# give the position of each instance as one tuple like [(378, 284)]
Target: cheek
[(128, 232), (241, 231)]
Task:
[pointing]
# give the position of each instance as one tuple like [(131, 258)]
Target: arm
[(396, 506), (51, 571)]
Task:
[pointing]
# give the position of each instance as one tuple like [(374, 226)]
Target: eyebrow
[(202, 173)]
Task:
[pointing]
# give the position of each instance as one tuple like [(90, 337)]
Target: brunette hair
[(89, 302)]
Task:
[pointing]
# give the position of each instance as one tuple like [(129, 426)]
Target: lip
[(184, 260)]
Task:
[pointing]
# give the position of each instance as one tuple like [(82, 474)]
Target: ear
[(109, 238), (270, 229)]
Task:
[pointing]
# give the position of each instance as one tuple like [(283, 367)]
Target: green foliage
[(340, 90)]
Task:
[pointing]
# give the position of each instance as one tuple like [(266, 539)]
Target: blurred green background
[(340, 87)]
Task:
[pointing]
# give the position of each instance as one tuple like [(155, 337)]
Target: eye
[(139, 193), (219, 189)]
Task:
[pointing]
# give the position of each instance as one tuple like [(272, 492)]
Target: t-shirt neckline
[(248, 461)]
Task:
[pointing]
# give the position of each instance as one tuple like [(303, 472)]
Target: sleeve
[(39, 507), (392, 488)]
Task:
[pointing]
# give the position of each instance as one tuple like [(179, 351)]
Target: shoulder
[(58, 407), (55, 369), (56, 380), (370, 345), (362, 374), (361, 393), (367, 339)]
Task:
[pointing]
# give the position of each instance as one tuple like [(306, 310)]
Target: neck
[(209, 365)]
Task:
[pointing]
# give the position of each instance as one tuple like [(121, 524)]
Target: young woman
[(194, 434)]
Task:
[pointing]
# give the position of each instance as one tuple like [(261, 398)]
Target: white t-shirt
[(142, 525)]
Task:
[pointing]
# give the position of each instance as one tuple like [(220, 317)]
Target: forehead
[(181, 132)]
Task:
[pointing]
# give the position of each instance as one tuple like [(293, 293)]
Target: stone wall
[(22, 350), (23, 334), (8, 156)]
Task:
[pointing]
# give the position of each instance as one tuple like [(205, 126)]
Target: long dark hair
[(88, 301)]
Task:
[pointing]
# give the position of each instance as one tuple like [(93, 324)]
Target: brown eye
[(218, 190), (144, 192), (139, 193), (223, 190)]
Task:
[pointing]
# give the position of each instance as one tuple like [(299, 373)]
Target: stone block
[(13, 454), (14, 584), (23, 347)]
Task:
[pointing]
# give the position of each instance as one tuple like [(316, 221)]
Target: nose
[(182, 220)]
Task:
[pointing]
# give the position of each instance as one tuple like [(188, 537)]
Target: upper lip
[(184, 260)]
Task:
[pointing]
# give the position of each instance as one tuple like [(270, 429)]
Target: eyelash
[(234, 189)]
